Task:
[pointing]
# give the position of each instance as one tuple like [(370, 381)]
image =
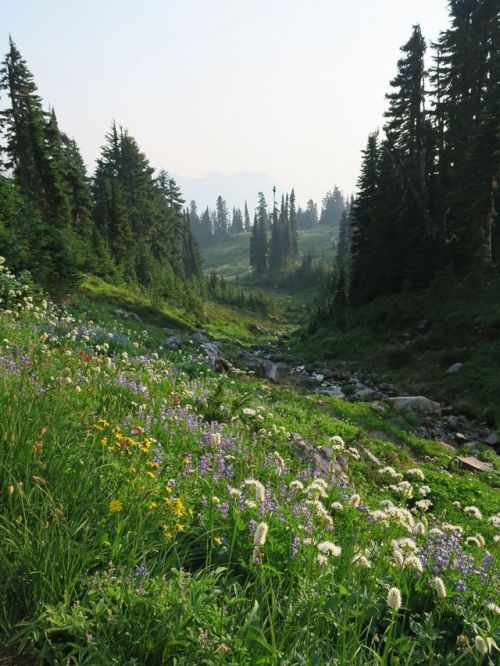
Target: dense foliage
[(125, 222), (428, 192)]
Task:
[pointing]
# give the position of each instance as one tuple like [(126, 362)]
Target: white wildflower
[(416, 472), (394, 599), (493, 608), (260, 535), (329, 548), (438, 585), (473, 511), (354, 501), (481, 645), (337, 506)]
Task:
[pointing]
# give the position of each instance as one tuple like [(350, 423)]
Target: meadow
[(155, 511)]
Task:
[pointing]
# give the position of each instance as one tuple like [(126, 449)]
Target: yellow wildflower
[(115, 506), (153, 505), (179, 527), (218, 540)]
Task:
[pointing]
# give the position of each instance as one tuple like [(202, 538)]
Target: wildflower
[(424, 490), (115, 506), (457, 504), (180, 527), (399, 559), (259, 538), (462, 642), (390, 471), (329, 548), (473, 511), (316, 490), (415, 563), (215, 439), (495, 521), (321, 559), (493, 608), (474, 541), (296, 485), (337, 506), (10, 489), (338, 440), (394, 599), (423, 505), (218, 540), (438, 585), (362, 560), (416, 473), (354, 501), (419, 529), (248, 411), (481, 645), (260, 491)]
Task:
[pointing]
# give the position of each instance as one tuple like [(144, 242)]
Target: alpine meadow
[(238, 426)]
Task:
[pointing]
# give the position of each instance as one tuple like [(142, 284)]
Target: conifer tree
[(247, 223)]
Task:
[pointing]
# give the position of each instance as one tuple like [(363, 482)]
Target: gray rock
[(493, 439), (332, 391), (446, 447), (213, 350), (173, 342), (416, 403), (453, 369), (199, 337), (365, 393), (472, 463), (320, 459), (264, 367)]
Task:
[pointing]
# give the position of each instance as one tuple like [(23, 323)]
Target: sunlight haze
[(288, 89)]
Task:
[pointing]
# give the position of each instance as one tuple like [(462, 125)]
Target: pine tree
[(292, 229), (237, 221), (247, 223)]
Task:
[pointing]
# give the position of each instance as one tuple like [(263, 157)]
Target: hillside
[(230, 258), (196, 514)]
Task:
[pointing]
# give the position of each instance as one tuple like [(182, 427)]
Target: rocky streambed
[(436, 421)]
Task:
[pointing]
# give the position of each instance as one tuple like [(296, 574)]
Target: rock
[(199, 337), (472, 463), (453, 369), (264, 367), (365, 393), (318, 377), (493, 439), (320, 459), (332, 391), (417, 403), (423, 326), (173, 342), (119, 312), (135, 317), (460, 437), (446, 447), (214, 353)]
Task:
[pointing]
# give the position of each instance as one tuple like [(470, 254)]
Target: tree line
[(428, 194), (125, 223)]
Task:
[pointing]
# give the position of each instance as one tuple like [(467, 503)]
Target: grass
[(154, 511)]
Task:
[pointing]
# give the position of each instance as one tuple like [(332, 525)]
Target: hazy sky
[(290, 88)]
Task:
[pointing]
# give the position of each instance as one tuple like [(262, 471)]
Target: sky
[(286, 88)]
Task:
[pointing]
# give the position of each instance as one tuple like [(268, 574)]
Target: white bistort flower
[(394, 599), (260, 535), (473, 511), (438, 585)]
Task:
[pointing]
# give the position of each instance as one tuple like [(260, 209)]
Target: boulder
[(453, 369), (493, 439), (472, 463), (332, 391), (199, 337), (416, 403), (173, 342), (365, 393), (321, 459)]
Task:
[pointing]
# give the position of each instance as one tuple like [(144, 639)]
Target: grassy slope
[(171, 573), (231, 258), (384, 338)]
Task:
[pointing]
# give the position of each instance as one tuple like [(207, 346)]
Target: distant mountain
[(234, 188)]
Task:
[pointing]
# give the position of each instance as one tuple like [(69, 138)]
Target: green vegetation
[(230, 257), (153, 511)]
